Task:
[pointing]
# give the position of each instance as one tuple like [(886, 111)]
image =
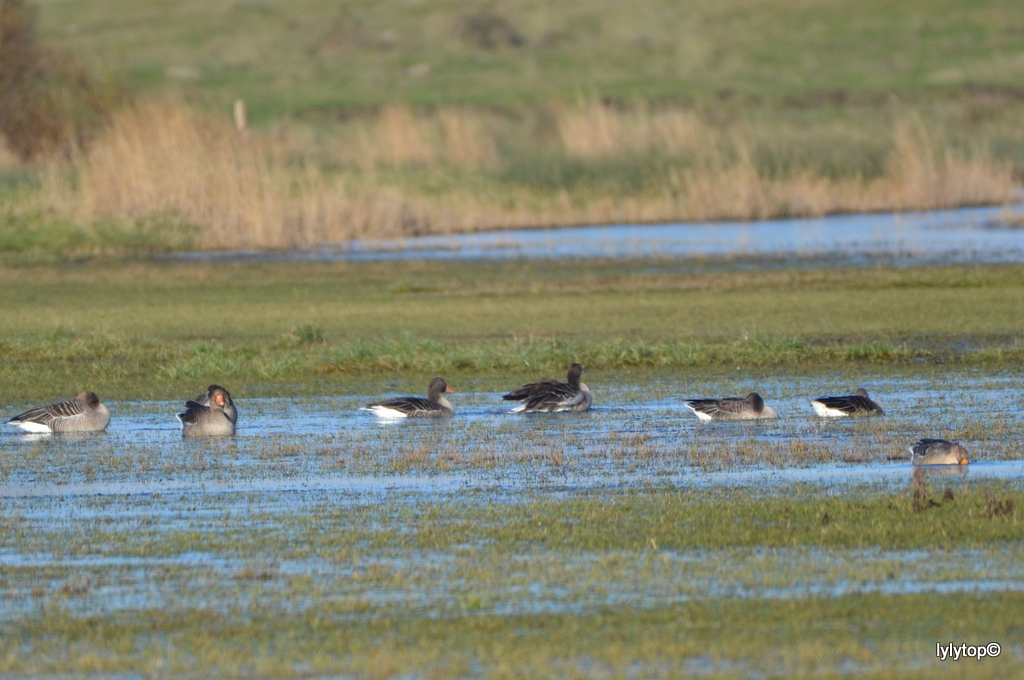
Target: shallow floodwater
[(136, 518), (636, 433), (934, 237)]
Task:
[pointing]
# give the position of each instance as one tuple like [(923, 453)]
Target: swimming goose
[(849, 405), (210, 415), (552, 396), (84, 413), (732, 408), (229, 407), (433, 406), (937, 452)]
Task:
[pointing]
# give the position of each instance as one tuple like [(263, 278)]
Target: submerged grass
[(157, 330), (654, 581), (681, 519), (932, 513)]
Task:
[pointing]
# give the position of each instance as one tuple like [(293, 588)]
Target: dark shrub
[(48, 101)]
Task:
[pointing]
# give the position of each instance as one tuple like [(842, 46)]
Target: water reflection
[(65, 438)]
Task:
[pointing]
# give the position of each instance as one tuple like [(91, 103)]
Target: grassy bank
[(367, 121), (153, 330)]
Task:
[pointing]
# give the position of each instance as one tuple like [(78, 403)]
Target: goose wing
[(194, 413), (850, 404), (204, 418), (715, 409), (925, 447), (410, 406), (534, 389), (45, 414), (558, 397)]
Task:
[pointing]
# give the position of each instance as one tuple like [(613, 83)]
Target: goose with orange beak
[(209, 415), (937, 452)]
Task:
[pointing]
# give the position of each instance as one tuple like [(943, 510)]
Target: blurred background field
[(320, 58), (388, 119)]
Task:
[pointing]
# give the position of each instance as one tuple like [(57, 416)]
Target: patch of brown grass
[(591, 129), (253, 191), (160, 158)]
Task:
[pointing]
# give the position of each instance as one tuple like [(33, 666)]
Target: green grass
[(131, 330), (895, 638), (614, 643), (35, 236), (320, 57)]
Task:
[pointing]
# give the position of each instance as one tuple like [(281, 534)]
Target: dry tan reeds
[(246, 191), (467, 142), (161, 159), (400, 138), (591, 129), (397, 137)]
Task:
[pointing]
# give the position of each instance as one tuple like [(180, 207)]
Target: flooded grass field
[(629, 541)]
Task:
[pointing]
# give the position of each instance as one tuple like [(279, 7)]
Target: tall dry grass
[(253, 191), (591, 129), (161, 159), (923, 172), (397, 137)]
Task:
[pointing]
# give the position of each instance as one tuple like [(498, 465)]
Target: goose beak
[(448, 389), (220, 399), (963, 462)]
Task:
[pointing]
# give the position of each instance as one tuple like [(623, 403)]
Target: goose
[(847, 405), (732, 408), (552, 396), (431, 406), (937, 452), (210, 415), (83, 413), (229, 407)]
